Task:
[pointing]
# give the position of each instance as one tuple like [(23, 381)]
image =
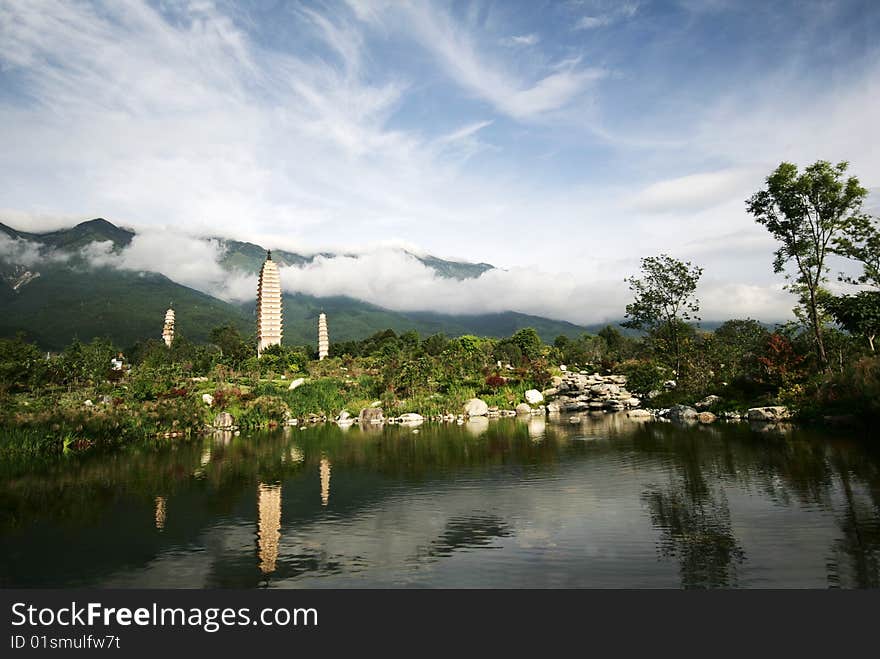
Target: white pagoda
[(323, 337), (168, 329), (268, 306)]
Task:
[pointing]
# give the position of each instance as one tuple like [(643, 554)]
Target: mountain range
[(51, 291)]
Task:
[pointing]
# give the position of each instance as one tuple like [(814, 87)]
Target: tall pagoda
[(268, 305)]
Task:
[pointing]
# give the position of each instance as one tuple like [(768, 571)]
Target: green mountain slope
[(54, 301), (63, 304)]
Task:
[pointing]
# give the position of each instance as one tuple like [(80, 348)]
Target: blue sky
[(560, 140)]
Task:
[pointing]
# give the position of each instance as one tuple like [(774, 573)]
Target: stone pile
[(583, 392)]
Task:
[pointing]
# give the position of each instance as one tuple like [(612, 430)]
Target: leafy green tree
[(664, 297), (861, 243), (858, 314), (234, 350), (806, 212), (528, 341), (435, 344), (22, 364), (736, 348), (86, 362)]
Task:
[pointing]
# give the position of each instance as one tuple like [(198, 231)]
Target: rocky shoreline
[(577, 394)]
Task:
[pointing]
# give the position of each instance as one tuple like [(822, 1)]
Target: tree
[(234, 350), (737, 346), (664, 297), (805, 213), (861, 243), (858, 314)]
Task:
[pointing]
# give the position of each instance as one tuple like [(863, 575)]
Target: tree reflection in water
[(696, 531)]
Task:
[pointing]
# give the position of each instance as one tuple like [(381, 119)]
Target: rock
[(552, 391), (370, 415), (555, 381), (617, 379), (639, 414), (769, 414), (88, 403), (476, 407), (706, 417), (411, 417), (208, 399), (707, 402), (224, 421), (296, 383), (343, 416), (563, 368), (553, 407), (682, 413), (632, 402), (292, 421), (670, 384), (523, 408), (534, 397)]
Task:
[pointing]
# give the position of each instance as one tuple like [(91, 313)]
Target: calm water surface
[(605, 503)]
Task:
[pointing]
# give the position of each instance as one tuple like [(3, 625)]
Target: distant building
[(168, 329), (269, 318), (323, 337)]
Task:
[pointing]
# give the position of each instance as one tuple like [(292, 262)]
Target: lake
[(606, 503)]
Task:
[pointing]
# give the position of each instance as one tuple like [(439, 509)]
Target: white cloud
[(591, 22), (696, 191), (521, 40)]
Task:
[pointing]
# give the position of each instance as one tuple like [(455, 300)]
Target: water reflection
[(269, 527), (518, 502), (325, 481), (159, 514)]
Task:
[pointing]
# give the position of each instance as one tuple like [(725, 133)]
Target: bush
[(643, 377)]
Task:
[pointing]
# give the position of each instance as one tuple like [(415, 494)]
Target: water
[(605, 503)]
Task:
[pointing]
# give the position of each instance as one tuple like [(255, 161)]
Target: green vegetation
[(822, 365)]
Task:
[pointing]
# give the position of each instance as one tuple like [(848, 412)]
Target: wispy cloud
[(458, 51), (521, 40)]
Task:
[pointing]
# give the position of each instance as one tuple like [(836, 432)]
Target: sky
[(560, 141)]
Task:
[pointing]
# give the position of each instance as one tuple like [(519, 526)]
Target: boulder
[(682, 413), (639, 414), (343, 416), (534, 397), (208, 399), (632, 402), (370, 415), (523, 408), (707, 402), (411, 417), (296, 383), (769, 414), (552, 391), (553, 407), (706, 417), (555, 381), (476, 407), (224, 421)]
